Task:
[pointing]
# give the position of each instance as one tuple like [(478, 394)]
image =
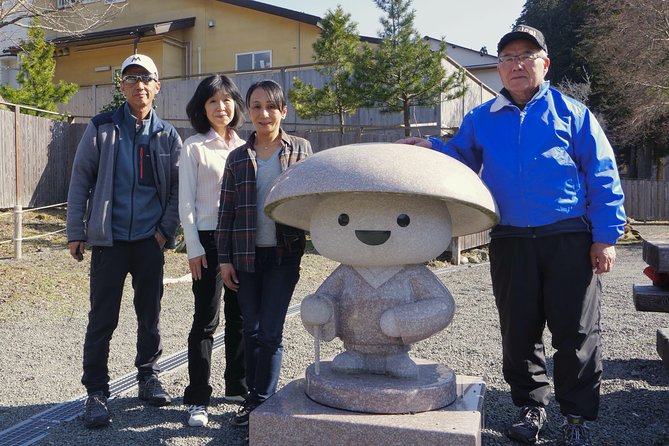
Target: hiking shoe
[(241, 418), (528, 425), (151, 390), (575, 432), (197, 416), (235, 399), (96, 413)]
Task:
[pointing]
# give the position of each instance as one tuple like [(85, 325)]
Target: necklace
[(272, 145)]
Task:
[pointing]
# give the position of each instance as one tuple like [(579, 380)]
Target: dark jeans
[(207, 292), (549, 281), (264, 296), (143, 260)]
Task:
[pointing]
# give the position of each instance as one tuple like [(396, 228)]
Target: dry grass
[(46, 276)]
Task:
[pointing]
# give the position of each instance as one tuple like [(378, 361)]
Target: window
[(259, 60), (60, 4)]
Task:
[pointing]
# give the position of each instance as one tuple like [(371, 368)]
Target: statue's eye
[(343, 219), (403, 220)]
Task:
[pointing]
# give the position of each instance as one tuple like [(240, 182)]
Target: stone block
[(656, 254), (291, 418), (650, 298), (435, 387)]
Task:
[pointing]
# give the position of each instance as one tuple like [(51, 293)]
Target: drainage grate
[(37, 427)]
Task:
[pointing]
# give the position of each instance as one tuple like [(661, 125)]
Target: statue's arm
[(430, 312)]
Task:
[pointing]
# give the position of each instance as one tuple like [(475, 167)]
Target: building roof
[(148, 29), (276, 10)]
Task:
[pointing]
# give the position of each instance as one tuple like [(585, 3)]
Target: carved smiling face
[(377, 229)]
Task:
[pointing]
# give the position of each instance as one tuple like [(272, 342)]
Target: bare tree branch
[(75, 19)]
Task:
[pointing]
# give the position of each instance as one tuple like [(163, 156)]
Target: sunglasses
[(134, 78)]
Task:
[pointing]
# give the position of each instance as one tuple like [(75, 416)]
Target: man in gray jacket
[(122, 202)]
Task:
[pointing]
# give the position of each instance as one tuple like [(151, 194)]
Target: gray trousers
[(549, 281)]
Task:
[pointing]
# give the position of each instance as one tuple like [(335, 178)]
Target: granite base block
[(291, 418), (433, 389)]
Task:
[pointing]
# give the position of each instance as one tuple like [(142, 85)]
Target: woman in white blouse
[(215, 110)]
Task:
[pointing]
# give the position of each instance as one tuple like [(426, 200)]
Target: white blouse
[(201, 169)]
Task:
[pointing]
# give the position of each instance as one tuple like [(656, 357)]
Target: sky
[(469, 23)]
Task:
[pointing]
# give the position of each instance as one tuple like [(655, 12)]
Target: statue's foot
[(401, 366), (348, 362)]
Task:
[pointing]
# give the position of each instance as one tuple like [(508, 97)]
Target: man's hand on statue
[(415, 141)]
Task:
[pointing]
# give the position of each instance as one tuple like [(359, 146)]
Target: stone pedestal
[(291, 418), (432, 389)]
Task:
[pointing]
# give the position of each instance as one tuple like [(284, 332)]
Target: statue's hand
[(318, 311), (389, 325)]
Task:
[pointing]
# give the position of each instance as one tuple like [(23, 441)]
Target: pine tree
[(118, 98), (35, 78), (402, 71), (335, 51)]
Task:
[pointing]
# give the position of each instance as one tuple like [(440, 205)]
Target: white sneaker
[(197, 416)]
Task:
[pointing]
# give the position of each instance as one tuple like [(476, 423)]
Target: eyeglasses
[(519, 59), (132, 79)]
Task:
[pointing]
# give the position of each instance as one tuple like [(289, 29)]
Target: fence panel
[(43, 151), (646, 200), (7, 166), (176, 92)]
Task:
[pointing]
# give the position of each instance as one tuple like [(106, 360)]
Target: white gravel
[(40, 363)]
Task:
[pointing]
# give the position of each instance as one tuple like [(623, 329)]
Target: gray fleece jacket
[(90, 195)]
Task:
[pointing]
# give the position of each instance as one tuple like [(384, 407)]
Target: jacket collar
[(285, 139), (157, 124), (502, 101)]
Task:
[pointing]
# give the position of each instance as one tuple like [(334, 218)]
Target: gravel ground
[(41, 341)]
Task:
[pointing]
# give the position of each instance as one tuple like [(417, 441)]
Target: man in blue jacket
[(122, 202), (553, 174)]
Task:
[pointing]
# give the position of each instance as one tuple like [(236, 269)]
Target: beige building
[(187, 37), (247, 39)]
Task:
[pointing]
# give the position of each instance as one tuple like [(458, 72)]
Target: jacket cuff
[(437, 143)]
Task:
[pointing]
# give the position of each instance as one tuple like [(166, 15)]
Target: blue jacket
[(90, 195), (546, 163)]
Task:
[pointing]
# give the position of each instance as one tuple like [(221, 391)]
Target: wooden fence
[(646, 200), (40, 175), (46, 149), (176, 92)]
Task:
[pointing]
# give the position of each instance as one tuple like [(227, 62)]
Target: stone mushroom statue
[(382, 210)]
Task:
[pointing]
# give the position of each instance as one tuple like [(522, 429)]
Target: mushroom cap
[(382, 168)]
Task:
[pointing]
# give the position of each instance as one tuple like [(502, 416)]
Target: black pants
[(207, 292), (143, 260), (264, 297), (549, 281)]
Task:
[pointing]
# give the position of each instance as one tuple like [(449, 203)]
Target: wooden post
[(17, 158), (18, 231), (18, 209), (456, 254), (358, 135)]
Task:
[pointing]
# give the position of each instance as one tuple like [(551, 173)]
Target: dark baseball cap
[(523, 32)]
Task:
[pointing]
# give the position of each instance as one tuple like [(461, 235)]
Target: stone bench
[(654, 298)]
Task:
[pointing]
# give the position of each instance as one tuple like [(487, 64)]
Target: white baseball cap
[(140, 60)]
